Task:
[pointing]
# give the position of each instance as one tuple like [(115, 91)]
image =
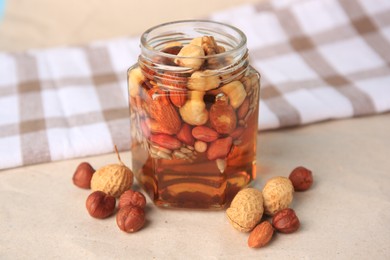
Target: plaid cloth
[(319, 60)]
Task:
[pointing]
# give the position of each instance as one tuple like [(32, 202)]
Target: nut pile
[(246, 210), (179, 115), (108, 183)]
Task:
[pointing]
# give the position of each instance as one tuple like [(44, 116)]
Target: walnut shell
[(246, 209), (113, 179), (277, 195)]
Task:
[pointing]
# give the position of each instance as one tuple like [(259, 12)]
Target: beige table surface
[(345, 215)]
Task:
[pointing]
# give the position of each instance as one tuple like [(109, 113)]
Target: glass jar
[(193, 101)]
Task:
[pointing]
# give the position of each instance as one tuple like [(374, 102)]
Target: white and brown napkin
[(319, 60)]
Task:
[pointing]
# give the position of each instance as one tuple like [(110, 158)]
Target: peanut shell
[(277, 195), (113, 179), (246, 209)]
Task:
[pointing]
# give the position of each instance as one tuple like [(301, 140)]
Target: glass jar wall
[(193, 101)]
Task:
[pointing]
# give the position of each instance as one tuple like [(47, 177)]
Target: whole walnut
[(246, 209), (277, 194)]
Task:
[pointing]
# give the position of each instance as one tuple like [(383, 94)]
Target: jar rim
[(152, 51)]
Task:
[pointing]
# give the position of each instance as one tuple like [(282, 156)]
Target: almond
[(178, 98), (260, 235), (165, 141), (177, 87), (185, 135), (159, 128), (220, 148), (161, 110), (204, 133), (243, 109), (237, 132)]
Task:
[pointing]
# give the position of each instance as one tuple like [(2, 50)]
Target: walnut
[(209, 45)]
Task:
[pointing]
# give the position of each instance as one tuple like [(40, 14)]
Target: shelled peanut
[(191, 109)]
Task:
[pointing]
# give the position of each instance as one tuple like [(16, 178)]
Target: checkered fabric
[(319, 60)]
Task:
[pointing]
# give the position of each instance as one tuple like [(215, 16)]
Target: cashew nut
[(236, 92), (196, 41), (135, 78), (190, 56), (172, 44), (194, 111), (203, 80)]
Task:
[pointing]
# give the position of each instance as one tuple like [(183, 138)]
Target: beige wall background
[(44, 23)]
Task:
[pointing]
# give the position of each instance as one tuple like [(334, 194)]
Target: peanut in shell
[(246, 209), (113, 179), (277, 194)]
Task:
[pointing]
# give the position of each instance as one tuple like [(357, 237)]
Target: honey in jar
[(193, 100)]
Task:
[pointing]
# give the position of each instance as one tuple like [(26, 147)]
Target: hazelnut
[(130, 219), (286, 221), (301, 178), (132, 198), (222, 116), (83, 175), (100, 205)]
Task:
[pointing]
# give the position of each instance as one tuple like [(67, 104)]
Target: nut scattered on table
[(286, 221), (277, 194), (113, 179), (83, 175), (132, 198), (301, 178), (130, 219), (246, 209), (100, 205), (260, 235)]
